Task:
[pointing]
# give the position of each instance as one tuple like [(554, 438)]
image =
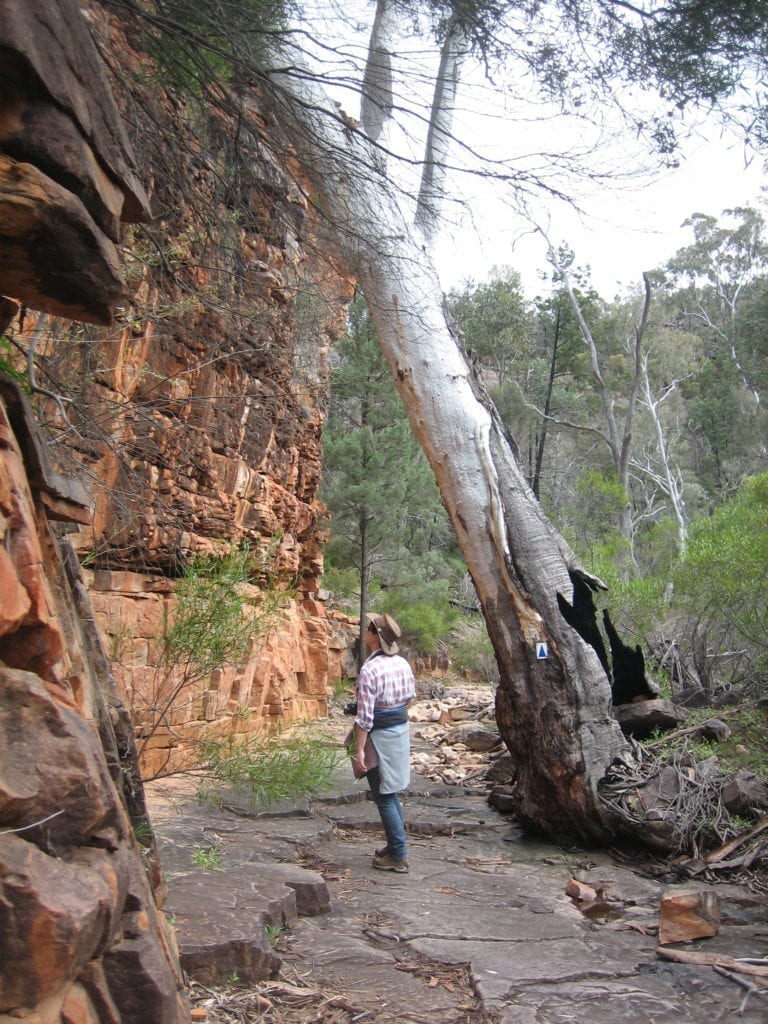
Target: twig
[(24, 828), (682, 956), (722, 852), (744, 983)]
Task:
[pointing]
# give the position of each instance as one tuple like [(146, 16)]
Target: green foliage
[(494, 319), (212, 625), (635, 605), (343, 583), (746, 749), (472, 651), (270, 768), (208, 857), (389, 530), (723, 580), (423, 622), (198, 42), (8, 363), (591, 519)]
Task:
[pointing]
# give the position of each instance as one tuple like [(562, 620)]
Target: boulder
[(56, 917), (685, 916), (581, 891), (474, 737), (716, 729), (53, 768), (642, 718), (745, 791), (502, 799)]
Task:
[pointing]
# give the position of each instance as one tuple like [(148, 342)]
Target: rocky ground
[(281, 917)]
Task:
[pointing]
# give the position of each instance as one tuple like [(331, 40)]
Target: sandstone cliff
[(188, 422), (196, 418)]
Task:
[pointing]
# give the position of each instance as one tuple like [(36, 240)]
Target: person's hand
[(359, 768)]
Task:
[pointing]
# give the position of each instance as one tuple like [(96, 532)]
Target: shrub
[(723, 580), (271, 768), (472, 651)]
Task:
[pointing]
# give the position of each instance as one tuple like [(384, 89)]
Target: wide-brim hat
[(388, 632)]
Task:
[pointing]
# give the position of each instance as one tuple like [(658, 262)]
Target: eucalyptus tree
[(714, 281)]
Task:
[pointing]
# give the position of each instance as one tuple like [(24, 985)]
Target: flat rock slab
[(481, 920)]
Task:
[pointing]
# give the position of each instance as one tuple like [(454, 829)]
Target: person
[(385, 687)]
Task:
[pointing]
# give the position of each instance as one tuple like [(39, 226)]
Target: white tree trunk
[(376, 99), (439, 132), (554, 711)]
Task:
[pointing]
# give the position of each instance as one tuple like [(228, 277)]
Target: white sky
[(621, 231), (620, 234)]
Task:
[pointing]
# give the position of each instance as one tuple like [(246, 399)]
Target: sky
[(619, 234), (624, 227)]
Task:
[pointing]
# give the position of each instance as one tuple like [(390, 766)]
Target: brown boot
[(387, 863)]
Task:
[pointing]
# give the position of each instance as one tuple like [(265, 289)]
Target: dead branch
[(715, 857), (728, 963), (690, 730), (750, 986)]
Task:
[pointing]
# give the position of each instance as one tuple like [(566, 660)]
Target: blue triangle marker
[(541, 651)]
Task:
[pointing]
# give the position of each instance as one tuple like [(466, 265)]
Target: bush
[(422, 611), (472, 651), (723, 580), (271, 768)]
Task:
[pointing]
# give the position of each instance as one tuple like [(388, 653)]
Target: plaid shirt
[(384, 681)]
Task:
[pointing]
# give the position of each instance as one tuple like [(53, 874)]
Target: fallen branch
[(728, 963), (750, 986), (714, 856), (690, 730)]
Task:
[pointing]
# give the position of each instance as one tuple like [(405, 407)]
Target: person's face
[(371, 638)]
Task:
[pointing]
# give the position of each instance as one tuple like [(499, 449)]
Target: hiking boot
[(382, 852), (387, 863)]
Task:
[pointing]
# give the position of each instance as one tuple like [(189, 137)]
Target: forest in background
[(642, 428)]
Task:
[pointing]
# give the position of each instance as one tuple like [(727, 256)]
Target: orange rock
[(580, 891), (685, 916)]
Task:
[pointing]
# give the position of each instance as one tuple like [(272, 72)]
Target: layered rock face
[(82, 939), (194, 423), (196, 419)]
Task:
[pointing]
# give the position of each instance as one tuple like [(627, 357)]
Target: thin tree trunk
[(668, 479), (439, 132), (547, 406), (376, 99), (365, 576)]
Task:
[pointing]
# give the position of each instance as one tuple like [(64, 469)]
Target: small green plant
[(119, 640), (208, 857), (142, 829), (271, 768), (233, 978), (7, 363), (210, 627), (273, 931)]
